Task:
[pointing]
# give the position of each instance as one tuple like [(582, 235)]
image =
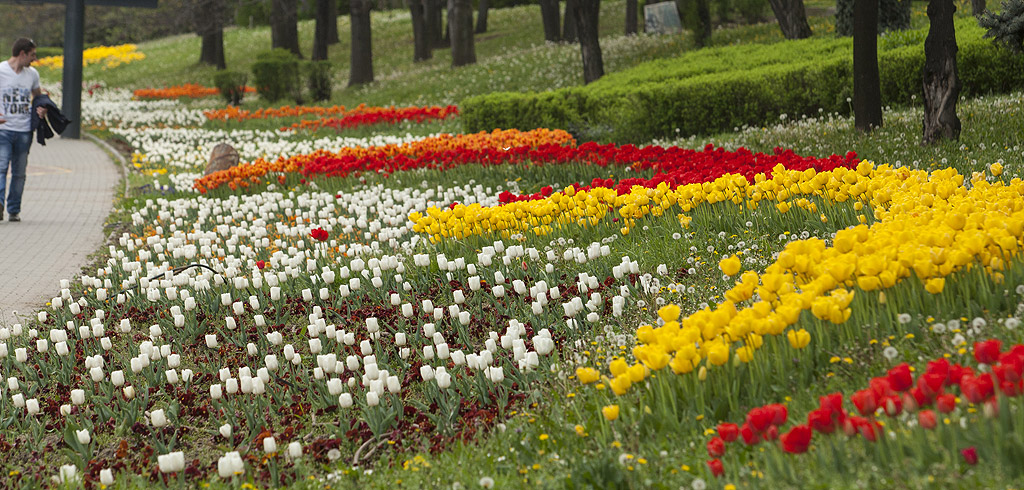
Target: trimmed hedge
[(654, 99)]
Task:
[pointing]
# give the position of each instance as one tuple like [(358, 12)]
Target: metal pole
[(74, 44)]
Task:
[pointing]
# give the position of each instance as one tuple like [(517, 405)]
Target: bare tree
[(460, 31), (208, 18), (867, 91), (941, 80), (362, 53), (792, 18), (284, 25), (587, 13)]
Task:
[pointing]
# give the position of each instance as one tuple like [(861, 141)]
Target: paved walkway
[(69, 192)]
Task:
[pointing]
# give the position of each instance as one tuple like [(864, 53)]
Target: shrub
[(231, 85), (276, 75), (320, 80), (723, 88)]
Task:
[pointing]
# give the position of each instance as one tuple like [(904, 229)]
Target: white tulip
[(107, 476), (225, 431), (158, 418), (269, 445), (345, 400), (372, 399), (294, 449), (77, 397), (83, 437)]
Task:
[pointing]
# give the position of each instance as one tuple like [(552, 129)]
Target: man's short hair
[(23, 44)]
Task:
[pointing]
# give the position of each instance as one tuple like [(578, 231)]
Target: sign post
[(74, 44)]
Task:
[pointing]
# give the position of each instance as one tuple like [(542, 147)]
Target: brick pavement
[(69, 192)]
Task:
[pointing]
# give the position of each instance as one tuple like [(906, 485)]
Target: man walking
[(19, 83)]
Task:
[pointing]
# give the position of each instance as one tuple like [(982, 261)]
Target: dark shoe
[(14, 217)]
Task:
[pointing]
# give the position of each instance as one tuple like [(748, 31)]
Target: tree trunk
[(550, 16), (586, 17), (704, 20), (696, 16), (284, 25), (941, 80), (434, 23), (867, 91), (569, 26), (208, 18), (792, 18), (212, 51), (977, 7), (321, 30), (481, 17), (362, 53), (421, 47), (631, 14), (460, 30), (332, 26)]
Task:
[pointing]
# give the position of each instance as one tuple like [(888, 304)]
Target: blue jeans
[(14, 146)]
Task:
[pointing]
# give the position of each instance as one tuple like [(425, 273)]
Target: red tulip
[(900, 377), (915, 398), (716, 467), (931, 383), (821, 420), (771, 433), (893, 405), (728, 432), (796, 440), (945, 403), (750, 437), (779, 414), (716, 447), (956, 372), (261, 264), (319, 234), (987, 352), (865, 402), (977, 389), (1005, 373), (927, 419), (1010, 388), (881, 387), (869, 429), (940, 367), (833, 402), (970, 455), (759, 418)]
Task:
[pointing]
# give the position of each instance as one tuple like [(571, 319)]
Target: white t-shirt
[(16, 96)]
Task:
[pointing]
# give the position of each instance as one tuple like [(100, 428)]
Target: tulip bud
[(158, 418), (345, 400), (83, 437), (107, 477), (294, 449)]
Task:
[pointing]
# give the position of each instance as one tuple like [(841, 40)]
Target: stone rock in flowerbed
[(223, 157)]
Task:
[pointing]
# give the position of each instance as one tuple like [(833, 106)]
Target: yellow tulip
[(996, 169), (620, 384), (587, 375), (730, 266), (669, 313), (610, 412), (935, 285), (718, 354), (799, 339), (618, 366), (637, 373)]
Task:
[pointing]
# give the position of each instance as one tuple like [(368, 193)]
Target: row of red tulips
[(377, 115), (892, 394)]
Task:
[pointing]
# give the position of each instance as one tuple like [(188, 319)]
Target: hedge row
[(638, 105)]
